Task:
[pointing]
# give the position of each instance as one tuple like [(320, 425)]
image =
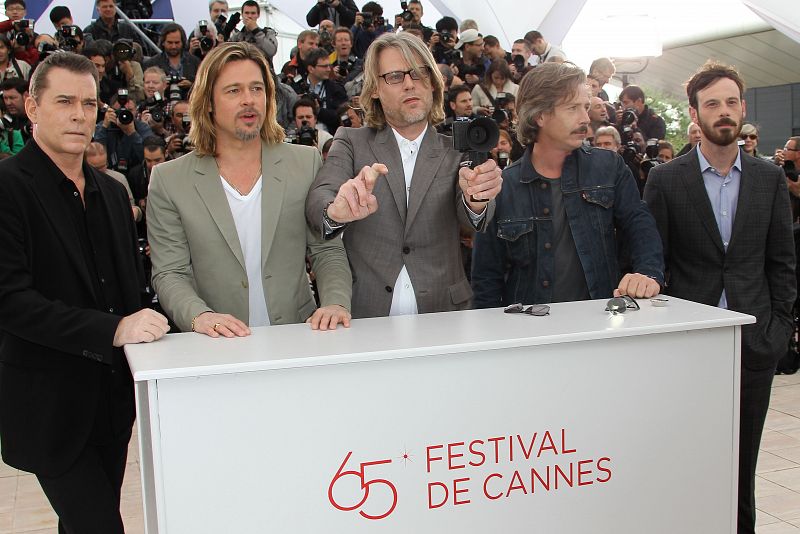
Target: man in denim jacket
[(563, 208)]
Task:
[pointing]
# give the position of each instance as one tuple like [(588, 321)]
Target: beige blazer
[(198, 264)]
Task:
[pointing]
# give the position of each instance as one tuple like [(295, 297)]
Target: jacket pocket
[(512, 230), (602, 196), (460, 292)]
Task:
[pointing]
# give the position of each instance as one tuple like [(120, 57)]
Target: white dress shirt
[(404, 300)]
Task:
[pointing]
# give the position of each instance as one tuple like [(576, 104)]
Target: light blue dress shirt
[(723, 192)]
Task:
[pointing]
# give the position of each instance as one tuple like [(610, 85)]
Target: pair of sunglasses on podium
[(537, 310), (621, 304)]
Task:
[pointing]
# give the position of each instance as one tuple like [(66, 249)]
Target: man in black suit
[(70, 298), (726, 225)]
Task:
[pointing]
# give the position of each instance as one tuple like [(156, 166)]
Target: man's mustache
[(725, 121)]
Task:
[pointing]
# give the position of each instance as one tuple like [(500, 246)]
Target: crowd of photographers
[(143, 117)]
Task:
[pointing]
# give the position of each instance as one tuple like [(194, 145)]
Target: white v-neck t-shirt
[(246, 211)]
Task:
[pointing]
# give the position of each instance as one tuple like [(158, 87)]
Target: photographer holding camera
[(19, 31), (789, 159), (304, 130), (121, 133), (203, 39), (496, 82), (117, 70), (15, 128), (632, 98), (443, 41), (178, 124), (520, 59), (329, 93), (346, 66), (473, 65), (369, 24), (11, 67), (265, 39), (175, 60), (109, 25), (341, 12)]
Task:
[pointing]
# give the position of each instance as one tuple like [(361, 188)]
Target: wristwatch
[(330, 223)]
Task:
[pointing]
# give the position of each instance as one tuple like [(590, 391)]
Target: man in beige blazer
[(395, 189), (226, 222)]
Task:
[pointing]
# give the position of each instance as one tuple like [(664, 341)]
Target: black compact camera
[(124, 115), (21, 36), (122, 50), (476, 138), (206, 41)]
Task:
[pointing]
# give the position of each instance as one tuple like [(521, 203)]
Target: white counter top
[(280, 347)]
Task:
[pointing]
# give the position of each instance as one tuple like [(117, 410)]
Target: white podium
[(467, 422)]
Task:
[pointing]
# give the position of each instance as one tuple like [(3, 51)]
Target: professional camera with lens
[(21, 36), (367, 16), (45, 49), (502, 159), (226, 26), (122, 50), (406, 15), (452, 56), (67, 37), (155, 105), (325, 39), (477, 70), (306, 135), (475, 138), (175, 92), (629, 116), (651, 157), (124, 115), (206, 41), (446, 37)]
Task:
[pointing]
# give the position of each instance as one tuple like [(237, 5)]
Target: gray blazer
[(198, 264), (756, 271), (424, 237)]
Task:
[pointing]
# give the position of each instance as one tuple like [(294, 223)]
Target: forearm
[(332, 270)]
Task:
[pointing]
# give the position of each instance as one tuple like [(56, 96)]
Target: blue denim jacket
[(513, 261)]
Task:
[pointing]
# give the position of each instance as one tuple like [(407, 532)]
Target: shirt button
[(102, 280), (75, 193), (544, 185), (244, 284), (546, 211), (111, 310), (406, 249), (724, 212), (548, 246), (388, 289), (545, 283)]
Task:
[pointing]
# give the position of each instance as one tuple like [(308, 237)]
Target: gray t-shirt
[(569, 280)]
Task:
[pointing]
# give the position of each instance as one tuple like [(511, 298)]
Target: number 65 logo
[(365, 485)]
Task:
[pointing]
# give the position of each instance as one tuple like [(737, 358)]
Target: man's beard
[(720, 138), (246, 135)]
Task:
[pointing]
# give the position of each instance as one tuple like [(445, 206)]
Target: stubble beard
[(720, 138), (246, 135)]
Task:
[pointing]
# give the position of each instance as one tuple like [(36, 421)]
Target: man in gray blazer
[(725, 222), (226, 222), (396, 191)]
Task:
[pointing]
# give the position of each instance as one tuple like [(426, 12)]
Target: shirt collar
[(402, 140), (705, 165)]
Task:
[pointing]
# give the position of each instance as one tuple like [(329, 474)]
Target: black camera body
[(477, 70), (67, 37), (367, 16), (124, 115), (406, 15), (446, 37), (175, 93), (519, 62), (206, 41), (306, 135), (21, 36), (122, 50), (452, 56), (155, 105), (475, 138)]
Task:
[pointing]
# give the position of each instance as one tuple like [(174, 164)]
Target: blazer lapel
[(53, 207), (213, 196), (384, 147), (695, 187), (273, 188), (428, 161)]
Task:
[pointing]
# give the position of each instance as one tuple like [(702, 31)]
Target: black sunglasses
[(537, 310), (621, 304)]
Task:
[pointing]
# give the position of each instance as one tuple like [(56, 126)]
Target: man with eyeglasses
[(395, 191), (329, 93)]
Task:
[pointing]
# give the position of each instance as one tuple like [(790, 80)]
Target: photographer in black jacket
[(341, 12)]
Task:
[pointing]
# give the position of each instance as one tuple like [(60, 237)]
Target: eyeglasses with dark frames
[(537, 310), (752, 137), (621, 304), (423, 72)]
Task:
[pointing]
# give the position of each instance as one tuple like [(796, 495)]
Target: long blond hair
[(203, 132), (416, 55)]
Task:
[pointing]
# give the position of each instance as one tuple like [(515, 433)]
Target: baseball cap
[(467, 36)]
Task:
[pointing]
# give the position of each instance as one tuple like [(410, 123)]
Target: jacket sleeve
[(347, 13), (172, 276), (314, 14), (329, 263), (337, 169), (27, 313), (488, 268), (638, 226)]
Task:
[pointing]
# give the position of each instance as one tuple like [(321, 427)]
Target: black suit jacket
[(54, 339), (757, 271)]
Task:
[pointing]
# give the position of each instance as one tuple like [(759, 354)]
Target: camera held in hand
[(445, 37), (124, 115), (122, 50), (155, 105), (20, 36), (306, 135), (519, 62), (475, 138), (406, 15), (67, 37), (175, 92), (367, 16), (206, 41), (651, 157)]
